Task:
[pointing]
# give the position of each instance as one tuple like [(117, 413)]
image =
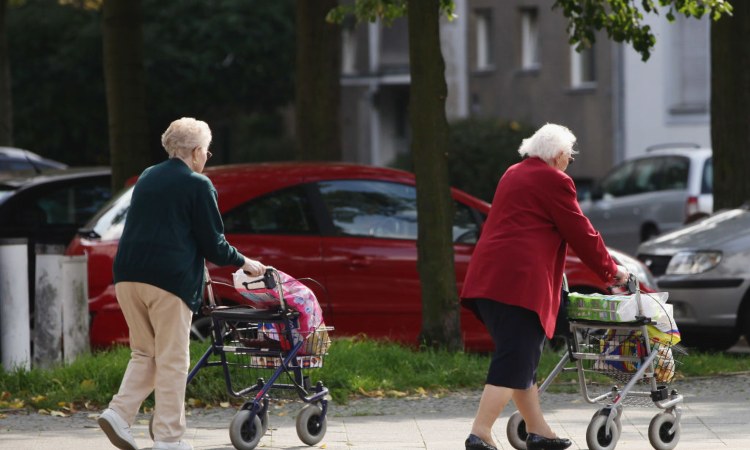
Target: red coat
[(520, 257)]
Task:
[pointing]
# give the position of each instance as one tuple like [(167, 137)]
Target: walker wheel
[(658, 431), (245, 434), (605, 413), (516, 431), (311, 424), (597, 437), (263, 413)]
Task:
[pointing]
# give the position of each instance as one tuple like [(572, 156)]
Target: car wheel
[(710, 342), (743, 316), (200, 329), (649, 231), (695, 217)]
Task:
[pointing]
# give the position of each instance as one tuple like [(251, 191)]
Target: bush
[(480, 150)]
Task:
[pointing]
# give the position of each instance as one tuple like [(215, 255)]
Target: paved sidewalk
[(715, 416)]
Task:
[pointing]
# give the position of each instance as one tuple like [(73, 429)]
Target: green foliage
[(479, 152), (385, 10), (219, 61), (354, 367), (59, 104), (622, 19)]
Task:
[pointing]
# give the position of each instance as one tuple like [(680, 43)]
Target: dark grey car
[(705, 267)]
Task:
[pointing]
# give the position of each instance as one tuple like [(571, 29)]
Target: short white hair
[(548, 142), (184, 135)]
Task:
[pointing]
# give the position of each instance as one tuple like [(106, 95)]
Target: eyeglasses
[(208, 153), (570, 160)]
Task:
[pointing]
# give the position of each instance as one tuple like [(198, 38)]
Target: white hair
[(548, 142), (184, 135)]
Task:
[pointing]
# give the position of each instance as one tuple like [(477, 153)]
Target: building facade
[(512, 60)]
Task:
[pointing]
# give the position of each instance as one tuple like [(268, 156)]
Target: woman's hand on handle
[(621, 277), (253, 268)]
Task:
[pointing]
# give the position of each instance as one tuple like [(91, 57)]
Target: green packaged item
[(599, 307)]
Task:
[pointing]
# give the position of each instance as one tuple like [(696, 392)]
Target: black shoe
[(475, 443), (536, 442)]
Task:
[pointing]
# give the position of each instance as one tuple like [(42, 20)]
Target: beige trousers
[(159, 324)]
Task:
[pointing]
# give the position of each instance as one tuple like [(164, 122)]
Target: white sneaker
[(182, 445), (117, 430)]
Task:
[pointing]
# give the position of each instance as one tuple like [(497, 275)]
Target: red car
[(352, 228)]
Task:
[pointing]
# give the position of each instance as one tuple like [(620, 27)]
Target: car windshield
[(109, 222)]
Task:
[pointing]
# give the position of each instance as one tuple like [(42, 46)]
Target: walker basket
[(620, 353)]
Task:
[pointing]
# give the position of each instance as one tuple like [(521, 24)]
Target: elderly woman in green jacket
[(173, 226)]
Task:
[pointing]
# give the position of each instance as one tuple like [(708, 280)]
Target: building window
[(348, 50), (529, 39), (483, 18), (690, 69), (582, 67)]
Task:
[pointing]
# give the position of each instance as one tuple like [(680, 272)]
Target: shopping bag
[(297, 296)]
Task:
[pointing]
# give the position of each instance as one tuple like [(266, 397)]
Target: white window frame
[(688, 60), (530, 59), (483, 41), (578, 71), (348, 51)]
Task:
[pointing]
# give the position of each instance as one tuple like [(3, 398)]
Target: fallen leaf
[(58, 414), (224, 404)]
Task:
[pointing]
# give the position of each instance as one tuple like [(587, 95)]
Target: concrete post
[(48, 306), (75, 307), (15, 333), (61, 316)]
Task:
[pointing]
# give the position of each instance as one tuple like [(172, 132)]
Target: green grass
[(354, 367)]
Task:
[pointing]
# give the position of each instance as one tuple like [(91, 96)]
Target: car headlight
[(687, 263)]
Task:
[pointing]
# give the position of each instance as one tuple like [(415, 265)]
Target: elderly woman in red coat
[(514, 279)]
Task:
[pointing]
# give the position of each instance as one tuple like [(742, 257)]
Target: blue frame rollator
[(268, 341)]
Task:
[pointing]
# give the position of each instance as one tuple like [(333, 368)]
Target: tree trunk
[(6, 103), (318, 88), (441, 324), (126, 94), (730, 107)]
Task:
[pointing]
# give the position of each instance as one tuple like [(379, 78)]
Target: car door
[(608, 209), (370, 255), (280, 230)]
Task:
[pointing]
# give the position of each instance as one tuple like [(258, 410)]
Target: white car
[(652, 194)]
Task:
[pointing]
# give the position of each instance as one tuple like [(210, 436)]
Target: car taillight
[(691, 206)]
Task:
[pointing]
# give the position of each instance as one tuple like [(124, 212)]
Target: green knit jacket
[(173, 224)]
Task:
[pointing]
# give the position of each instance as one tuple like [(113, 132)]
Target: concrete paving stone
[(715, 417)]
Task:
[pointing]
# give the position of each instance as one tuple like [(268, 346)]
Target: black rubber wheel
[(596, 436), (649, 231), (516, 431), (311, 424), (245, 434), (658, 432)]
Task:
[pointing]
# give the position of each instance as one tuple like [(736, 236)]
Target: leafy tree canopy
[(215, 60), (622, 19), (385, 10)]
